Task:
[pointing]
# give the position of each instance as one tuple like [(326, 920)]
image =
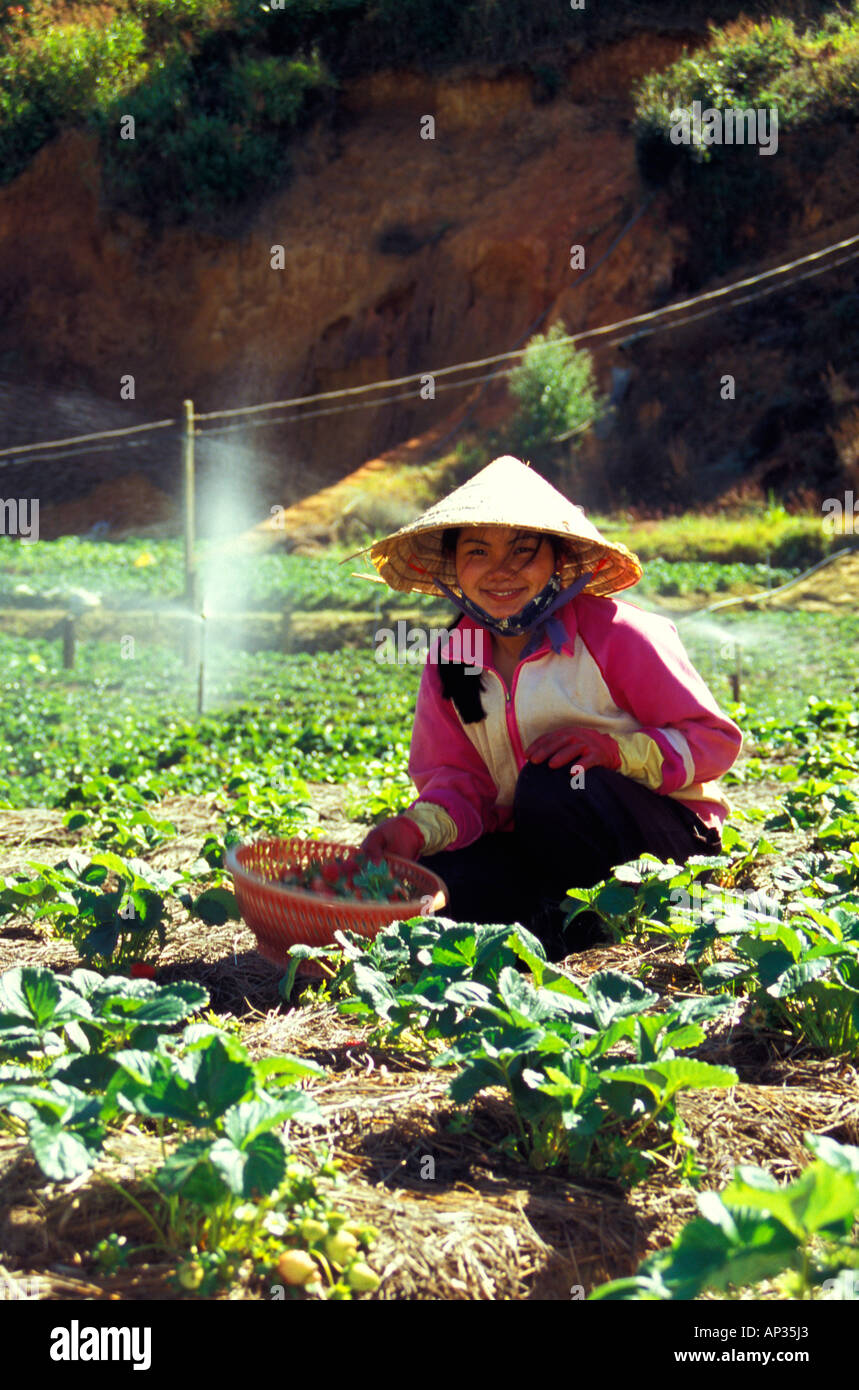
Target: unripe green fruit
[(341, 1247), (297, 1267), (312, 1230), (190, 1274), (362, 1278)]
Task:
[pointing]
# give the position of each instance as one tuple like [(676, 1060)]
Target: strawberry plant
[(757, 1229), (79, 1054), (557, 1047), (802, 975), (113, 816), (57, 1041), (638, 897), (111, 927), (552, 1046)]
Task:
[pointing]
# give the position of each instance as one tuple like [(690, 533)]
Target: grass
[(790, 541)]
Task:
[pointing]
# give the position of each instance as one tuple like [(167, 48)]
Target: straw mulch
[(481, 1226), (477, 1225)]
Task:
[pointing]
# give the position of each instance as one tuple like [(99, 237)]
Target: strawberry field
[(670, 1115)]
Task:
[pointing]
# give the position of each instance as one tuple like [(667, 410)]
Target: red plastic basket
[(280, 916)]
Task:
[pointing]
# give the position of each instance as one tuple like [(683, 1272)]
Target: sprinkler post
[(68, 632), (201, 670), (736, 673), (193, 630), (188, 499)]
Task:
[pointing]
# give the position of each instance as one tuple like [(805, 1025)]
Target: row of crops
[(109, 1045), (330, 716), (594, 1070), (137, 570)]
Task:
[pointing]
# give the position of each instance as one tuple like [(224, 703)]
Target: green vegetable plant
[(756, 1229), (638, 898), (554, 1046), (80, 1055), (112, 928), (801, 974), (114, 816), (588, 1070), (59, 1037)]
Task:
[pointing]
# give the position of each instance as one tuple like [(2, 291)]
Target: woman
[(587, 738)]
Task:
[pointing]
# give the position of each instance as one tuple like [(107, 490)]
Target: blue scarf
[(536, 617)]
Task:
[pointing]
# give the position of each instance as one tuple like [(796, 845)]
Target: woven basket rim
[(355, 905)]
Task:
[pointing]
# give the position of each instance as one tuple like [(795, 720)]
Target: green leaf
[(216, 906), (243, 1123), (819, 1197), (664, 1079), (188, 1171), (721, 972), (86, 982), (842, 1157), (119, 998), (373, 988), (688, 1035), (285, 1068), (218, 1080), (792, 980), (112, 863), (64, 1101), (614, 995), (705, 1255), (255, 1170), (519, 996), (89, 1072), (101, 941), (474, 1078), (456, 946), (638, 1288), (467, 992), (60, 1154), (615, 900), (34, 996)]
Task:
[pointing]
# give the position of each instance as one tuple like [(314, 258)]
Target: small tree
[(556, 390)]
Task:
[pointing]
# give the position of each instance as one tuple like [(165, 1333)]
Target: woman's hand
[(398, 835), (584, 747)]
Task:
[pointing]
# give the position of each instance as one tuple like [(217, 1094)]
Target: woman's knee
[(542, 791)]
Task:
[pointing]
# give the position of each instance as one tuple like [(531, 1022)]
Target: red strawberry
[(141, 971), (330, 872)]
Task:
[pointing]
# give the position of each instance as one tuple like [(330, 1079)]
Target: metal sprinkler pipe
[(736, 673), (201, 671)]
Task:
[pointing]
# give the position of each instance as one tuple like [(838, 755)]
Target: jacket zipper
[(510, 710)]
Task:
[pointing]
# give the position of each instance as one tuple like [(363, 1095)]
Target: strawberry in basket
[(358, 877)]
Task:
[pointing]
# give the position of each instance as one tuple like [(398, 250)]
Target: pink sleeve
[(648, 673), (445, 766)]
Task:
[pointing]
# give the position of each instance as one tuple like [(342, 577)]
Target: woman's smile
[(503, 595)]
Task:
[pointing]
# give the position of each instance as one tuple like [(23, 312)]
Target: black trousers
[(564, 837)]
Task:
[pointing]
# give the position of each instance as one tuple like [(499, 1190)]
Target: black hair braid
[(462, 689)]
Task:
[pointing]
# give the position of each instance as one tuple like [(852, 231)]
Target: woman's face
[(502, 568)]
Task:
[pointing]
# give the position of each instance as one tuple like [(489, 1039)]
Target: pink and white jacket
[(621, 671)]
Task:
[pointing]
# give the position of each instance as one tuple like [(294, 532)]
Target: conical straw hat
[(505, 493)]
